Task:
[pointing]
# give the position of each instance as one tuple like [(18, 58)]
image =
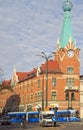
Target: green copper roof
[(66, 33)]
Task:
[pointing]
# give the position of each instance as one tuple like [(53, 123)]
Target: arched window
[(70, 70), (29, 108), (21, 108), (72, 96), (67, 96)]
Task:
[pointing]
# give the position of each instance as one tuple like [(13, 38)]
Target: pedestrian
[(23, 122), (54, 120)]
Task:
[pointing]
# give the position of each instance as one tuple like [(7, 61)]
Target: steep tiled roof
[(24, 75), (52, 66), (21, 75)]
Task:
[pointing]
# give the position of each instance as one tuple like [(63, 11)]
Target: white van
[(45, 118)]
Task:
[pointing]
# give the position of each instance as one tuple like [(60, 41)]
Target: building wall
[(29, 93), (81, 99)]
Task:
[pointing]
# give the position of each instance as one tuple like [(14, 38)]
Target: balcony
[(71, 88)]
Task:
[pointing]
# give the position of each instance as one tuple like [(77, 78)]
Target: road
[(73, 126), (35, 126)]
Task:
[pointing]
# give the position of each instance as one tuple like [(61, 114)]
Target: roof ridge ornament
[(58, 45), (67, 5), (70, 39), (38, 70)]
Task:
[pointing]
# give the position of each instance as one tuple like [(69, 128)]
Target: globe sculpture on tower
[(67, 5)]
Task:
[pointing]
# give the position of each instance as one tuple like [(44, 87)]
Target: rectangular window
[(31, 96), (23, 98), (27, 84), (40, 95), (38, 83), (31, 83), (53, 96), (35, 96), (72, 96), (70, 82), (53, 81)]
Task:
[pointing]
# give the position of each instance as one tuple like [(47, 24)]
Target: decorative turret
[(14, 77), (66, 33)]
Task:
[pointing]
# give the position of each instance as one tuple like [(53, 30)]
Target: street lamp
[(46, 57), (43, 93)]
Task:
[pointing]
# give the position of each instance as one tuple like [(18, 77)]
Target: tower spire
[(66, 33)]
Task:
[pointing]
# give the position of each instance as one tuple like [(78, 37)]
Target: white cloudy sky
[(28, 27)]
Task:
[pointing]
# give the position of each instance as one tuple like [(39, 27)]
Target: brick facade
[(28, 88), (63, 89)]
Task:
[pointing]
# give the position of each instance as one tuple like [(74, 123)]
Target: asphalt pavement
[(36, 126)]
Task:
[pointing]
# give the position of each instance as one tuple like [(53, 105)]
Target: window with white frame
[(53, 96), (70, 82), (53, 81), (70, 70)]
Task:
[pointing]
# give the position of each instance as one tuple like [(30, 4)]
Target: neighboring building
[(63, 88), (81, 97)]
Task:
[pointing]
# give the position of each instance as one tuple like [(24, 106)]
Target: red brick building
[(33, 90)]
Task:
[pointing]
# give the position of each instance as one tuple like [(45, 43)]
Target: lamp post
[(46, 57), (43, 93)]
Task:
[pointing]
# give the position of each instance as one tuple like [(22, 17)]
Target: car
[(0, 121), (5, 121)]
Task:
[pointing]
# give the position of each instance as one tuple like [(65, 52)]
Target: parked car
[(0, 121), (5, 121)]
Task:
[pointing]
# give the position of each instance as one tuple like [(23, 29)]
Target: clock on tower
[(70, 53)]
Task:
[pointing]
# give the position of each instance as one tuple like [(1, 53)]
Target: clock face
[(70, 53)]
